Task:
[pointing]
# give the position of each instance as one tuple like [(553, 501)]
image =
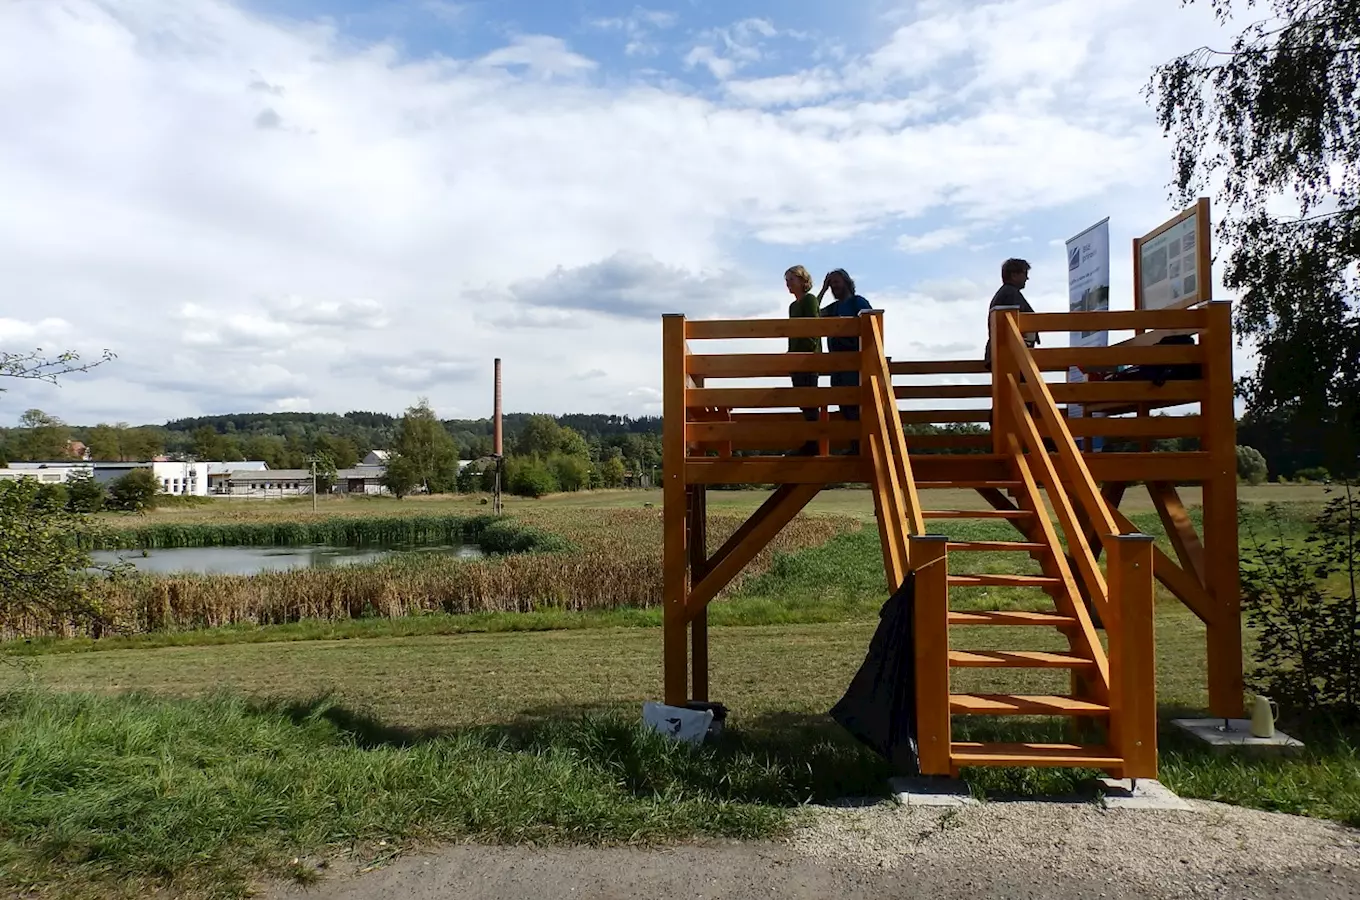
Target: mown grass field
[(202, 759)]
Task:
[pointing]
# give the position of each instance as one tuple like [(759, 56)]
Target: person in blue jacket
[(847, 303)]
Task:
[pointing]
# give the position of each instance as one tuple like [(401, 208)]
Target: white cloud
[(542, 54), (931, 240), (402, 221), (723, 51), (638, 27)]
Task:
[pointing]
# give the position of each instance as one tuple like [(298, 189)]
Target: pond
[(252, 560)]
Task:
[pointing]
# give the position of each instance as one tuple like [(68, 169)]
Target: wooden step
[(996, 546), (976, 513), (1016, 659), (1023, 705), (967, 485), (1010, 617), (988, 580), (966, 753)]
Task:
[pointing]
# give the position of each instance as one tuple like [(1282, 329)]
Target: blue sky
[(336, 204)]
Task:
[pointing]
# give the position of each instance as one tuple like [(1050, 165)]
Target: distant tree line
[(543, 453)]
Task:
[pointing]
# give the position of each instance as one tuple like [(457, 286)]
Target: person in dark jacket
[(1014, 277), (847, 303)]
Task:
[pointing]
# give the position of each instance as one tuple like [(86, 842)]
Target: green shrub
[(1302, 596), (529, 477), (134, 492), (1251, 465)]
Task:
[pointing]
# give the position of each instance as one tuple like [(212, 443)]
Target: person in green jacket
[(804, 305)]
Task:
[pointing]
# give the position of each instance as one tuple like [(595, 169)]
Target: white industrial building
[(249, 478)]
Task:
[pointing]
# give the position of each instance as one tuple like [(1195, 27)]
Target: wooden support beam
[(778, 470), (1124, 427), (1220, 518), (768, 365), (1179, 529), (1091, 392), (938, 367), (1182, 585), (675, 553), (1060, 359), (779, 397), (930, 562), (1133, 669), (746, 434), (734, 557), (698, 563)]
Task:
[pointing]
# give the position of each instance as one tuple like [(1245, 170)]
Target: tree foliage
[(423, 441), (83, 493), (1303, 599), (39, 366), (136, 491), (1251, 465), (42, 568), (1276, 117), (401, 476)]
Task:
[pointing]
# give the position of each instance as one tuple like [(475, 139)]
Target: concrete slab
[(927, 791), (1121, 793), (1237, 736)]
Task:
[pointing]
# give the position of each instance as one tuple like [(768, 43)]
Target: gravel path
[(1003, 850)]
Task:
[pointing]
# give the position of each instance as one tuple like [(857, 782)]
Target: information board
[(1172, 263)]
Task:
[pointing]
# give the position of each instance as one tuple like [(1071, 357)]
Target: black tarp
[(879, 707)]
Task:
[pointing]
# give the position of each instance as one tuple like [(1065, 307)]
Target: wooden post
[(675, 558), (698, 566), (1224, 634), (1133, 666), (1001, 414), (930, 560)]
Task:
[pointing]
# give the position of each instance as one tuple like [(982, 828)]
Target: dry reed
[(613, 560)]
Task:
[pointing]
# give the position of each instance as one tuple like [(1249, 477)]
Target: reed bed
[(334, 530), (599, 560)]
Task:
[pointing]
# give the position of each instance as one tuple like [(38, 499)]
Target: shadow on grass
[(791, 759), (784, 759)]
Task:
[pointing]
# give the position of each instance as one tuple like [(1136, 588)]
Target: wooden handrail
[(723, 329), (1068, 454), (895, 437), (1114, 320)]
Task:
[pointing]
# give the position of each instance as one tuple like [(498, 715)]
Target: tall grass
[(599, 560), (127, 794)]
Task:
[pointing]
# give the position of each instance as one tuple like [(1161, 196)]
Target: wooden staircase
[(1112, 690)]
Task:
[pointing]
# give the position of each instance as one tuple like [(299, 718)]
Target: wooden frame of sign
[(1172, 272)]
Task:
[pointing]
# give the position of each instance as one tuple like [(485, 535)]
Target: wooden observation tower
[(1030, 471)]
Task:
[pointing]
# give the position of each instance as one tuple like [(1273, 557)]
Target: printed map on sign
[(1170, 266)]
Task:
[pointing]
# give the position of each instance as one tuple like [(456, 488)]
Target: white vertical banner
[(1088, 290)]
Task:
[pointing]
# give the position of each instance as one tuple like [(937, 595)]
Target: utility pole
[(497, 448), (312, 459)]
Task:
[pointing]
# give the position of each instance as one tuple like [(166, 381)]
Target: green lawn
[(200, 760)]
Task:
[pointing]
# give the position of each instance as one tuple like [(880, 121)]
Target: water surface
[(252, 560)]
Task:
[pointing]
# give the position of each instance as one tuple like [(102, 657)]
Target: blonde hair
[(802, 275)]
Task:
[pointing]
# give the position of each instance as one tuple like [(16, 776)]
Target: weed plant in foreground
[(125, 794)]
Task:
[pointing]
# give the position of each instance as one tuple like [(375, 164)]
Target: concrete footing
[(931, 791), (1142, 793), (1237, 737)]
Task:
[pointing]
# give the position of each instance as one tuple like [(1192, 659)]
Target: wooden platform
[(1025, 445)]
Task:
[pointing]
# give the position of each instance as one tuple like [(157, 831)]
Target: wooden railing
[(1124, 409), (1124, 598), (896, 502)]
